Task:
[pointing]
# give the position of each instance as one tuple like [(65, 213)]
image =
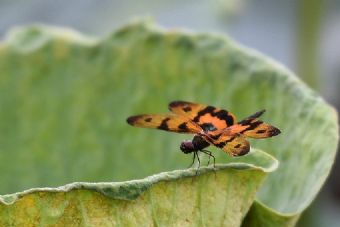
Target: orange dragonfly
[(211, 126)]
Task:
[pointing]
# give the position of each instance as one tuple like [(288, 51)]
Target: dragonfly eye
[(187, 147)]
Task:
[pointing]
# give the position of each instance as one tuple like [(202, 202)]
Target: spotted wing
[(254, 128), (233, 144), (167, 122), (208, 117)]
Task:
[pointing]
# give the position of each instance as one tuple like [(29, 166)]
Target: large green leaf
[(178, 198), (64, 99)]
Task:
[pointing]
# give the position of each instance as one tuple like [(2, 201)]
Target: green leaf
[(178, 198), (64, 99)]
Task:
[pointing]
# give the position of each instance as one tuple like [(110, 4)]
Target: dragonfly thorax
[(197, 144)]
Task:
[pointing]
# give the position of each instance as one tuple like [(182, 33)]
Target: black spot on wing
[(148, 119), (224, 115), (186, 109), (257, 114), (246, 122), (216, 137), (183, 127), (131, 120), (245, 150), (222, 144), (164, 124), (260, 131), (237, 145), (274, 131), (176, 104)]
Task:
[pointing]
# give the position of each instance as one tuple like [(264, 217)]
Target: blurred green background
[(303, 35)]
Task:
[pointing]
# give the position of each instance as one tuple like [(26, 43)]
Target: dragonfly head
[(187, 147)]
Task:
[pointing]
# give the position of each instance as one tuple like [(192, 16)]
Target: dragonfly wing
[(209, 118), (167, 122)]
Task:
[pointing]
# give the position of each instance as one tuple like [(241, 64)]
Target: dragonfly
[(210, 126)]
